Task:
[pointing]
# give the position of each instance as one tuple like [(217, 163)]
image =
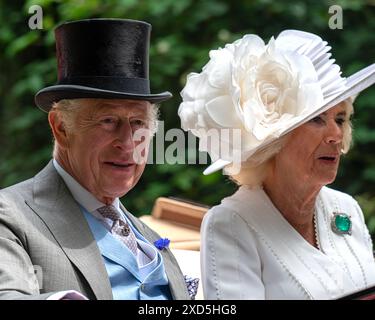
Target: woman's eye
[(317, 119), (340, 121)]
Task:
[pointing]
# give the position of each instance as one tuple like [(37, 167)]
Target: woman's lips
[(329, 159)]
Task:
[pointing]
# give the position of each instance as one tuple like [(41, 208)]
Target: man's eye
[(108, 120), (109, 123), (138, 123)]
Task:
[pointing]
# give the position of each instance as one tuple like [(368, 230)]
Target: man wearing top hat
[(64, 233)]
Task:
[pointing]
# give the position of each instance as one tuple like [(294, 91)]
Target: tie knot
[(120, 228), (109, 212)]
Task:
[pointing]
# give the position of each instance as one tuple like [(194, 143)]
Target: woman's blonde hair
[(256, 169)]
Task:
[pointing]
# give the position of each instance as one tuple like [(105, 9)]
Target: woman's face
[(312, 152)]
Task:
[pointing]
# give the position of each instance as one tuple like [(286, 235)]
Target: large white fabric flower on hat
[(260, 89)]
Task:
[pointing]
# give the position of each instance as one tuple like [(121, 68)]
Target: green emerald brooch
[(341, 223)]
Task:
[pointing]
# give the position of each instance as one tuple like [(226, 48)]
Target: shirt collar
[(79, 193)]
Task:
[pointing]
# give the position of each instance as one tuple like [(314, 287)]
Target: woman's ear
[(58, 129)]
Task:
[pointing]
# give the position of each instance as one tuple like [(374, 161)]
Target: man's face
[(100, 151)]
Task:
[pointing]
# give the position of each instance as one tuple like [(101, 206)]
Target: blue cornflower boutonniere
[(162, 243)]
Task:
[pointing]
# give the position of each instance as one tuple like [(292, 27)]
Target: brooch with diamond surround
[(341, 223)]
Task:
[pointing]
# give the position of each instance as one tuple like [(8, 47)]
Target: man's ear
[(58, 129)]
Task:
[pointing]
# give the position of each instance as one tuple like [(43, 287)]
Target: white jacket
[(249, 251)]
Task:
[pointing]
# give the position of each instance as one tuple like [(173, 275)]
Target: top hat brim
[(45, 98), (355, 84)]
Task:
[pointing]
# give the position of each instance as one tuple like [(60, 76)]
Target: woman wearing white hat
[(283, 234)]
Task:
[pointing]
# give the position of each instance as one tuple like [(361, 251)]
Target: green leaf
[(22, 43)]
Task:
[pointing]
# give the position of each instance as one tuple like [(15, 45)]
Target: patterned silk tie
[(120, 228)]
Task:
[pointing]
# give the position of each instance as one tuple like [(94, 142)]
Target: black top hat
[(101, 58)]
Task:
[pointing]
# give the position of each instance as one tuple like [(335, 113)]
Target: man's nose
[(124, 138), (334, 133)]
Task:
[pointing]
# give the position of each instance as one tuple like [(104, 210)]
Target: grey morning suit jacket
[(43, 228)]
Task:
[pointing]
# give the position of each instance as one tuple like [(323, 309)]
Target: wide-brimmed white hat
[(263, 91)]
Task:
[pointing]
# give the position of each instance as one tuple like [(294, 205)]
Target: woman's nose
[(334, 133)]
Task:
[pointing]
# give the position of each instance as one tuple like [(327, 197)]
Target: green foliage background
[(183, 33)]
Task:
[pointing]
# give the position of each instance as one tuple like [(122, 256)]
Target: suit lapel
[(177, 283), (54, 204)]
